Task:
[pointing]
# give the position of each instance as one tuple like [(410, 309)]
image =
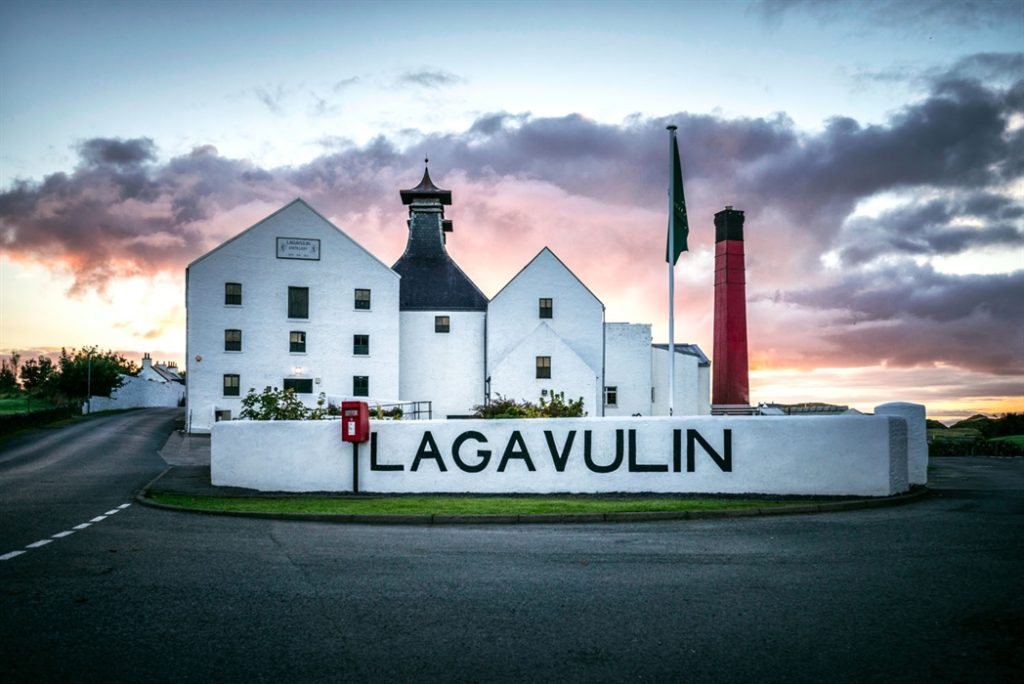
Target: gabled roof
[(688, 350), (302, 202), (561, 263)]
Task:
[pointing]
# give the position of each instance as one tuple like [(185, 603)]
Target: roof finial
[(426, 160)]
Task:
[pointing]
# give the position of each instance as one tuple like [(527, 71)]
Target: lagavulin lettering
[(516, 453)]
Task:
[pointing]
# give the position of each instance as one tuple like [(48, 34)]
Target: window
[(299, 386), (297, 342), (298, 302), (360, 386), (233, 294), (232, 340), (442, 324), (362, 299), (231, 384), (611, 396), (543, 366), (361, 345), (546, 307)]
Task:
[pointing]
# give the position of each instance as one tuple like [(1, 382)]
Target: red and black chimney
[(730, 385)]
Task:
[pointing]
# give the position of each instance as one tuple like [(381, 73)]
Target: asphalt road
[(930, 591)]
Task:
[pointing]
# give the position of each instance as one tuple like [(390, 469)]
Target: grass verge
[(448, 505)]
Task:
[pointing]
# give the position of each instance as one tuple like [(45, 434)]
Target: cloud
[(426, 78), (273, 98), (896, 15), (931, 228), (117, 152), (344, 84), (595, 192)]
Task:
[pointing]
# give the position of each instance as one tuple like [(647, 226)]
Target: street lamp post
[(88, 382)]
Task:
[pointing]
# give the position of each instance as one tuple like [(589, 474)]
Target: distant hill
[(934, 425)]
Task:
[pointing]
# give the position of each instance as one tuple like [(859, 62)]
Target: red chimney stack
[(730, 386)]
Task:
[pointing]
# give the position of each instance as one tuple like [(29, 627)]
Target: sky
[(876, 148)]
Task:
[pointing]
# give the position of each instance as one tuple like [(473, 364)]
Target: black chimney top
[(728, 224)]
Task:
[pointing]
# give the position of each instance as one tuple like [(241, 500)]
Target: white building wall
[(578, 316), (137, 392), (692, 385), (446, 369), (628, 367), (265, 359), (515, 376)]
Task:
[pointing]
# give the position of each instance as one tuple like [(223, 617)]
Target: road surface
[(930, 591)]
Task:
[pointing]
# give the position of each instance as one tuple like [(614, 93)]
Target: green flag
[(677, 223)]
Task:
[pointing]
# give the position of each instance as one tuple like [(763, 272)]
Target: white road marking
[(65, 533)]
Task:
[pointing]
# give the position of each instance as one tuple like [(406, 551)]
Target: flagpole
[(671, 277)]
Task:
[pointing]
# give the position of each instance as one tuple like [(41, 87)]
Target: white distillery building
[(295, 302)]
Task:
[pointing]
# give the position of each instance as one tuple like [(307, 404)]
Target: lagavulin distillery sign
[(832, 455)]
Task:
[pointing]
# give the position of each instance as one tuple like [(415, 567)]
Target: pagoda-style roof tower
[(431, 280)]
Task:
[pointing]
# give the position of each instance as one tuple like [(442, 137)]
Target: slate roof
[(436, 284), (689, 350), (431, 280)]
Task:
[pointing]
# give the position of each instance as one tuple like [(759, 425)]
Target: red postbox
[(355, 421)]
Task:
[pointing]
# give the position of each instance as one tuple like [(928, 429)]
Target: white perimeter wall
[(446, 369), (140, 393), (830, 455)]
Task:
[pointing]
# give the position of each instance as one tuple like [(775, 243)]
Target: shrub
[(275, 404), (556, 407)]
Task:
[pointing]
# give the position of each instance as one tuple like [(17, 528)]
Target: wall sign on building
[(298, 248)]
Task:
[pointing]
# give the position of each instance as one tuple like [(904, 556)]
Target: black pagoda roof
[(426, 190)]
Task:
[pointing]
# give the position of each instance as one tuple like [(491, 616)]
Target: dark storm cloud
[(930, 228), (428, 78), (913, 315), (117, 152)]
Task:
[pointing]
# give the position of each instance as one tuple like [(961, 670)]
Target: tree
[(89, 370), (8, 379), (37, 375)]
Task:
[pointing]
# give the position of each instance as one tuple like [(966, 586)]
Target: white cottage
[(295, 302)]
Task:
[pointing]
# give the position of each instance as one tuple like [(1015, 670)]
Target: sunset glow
[(875, 148)]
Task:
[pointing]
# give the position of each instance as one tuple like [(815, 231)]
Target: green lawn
[(1013, 439), (449, 505), (9, 405)]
